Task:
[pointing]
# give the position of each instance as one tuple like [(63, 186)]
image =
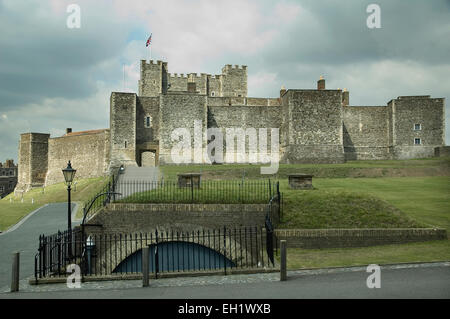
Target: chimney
[(282, 91), (68, 130), (321, 83), (345, 97)]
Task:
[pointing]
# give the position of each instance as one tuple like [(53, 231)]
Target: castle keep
[(315, 125)]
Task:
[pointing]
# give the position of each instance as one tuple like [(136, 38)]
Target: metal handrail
[(93, 201)]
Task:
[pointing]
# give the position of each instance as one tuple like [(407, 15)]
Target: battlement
[(152, 62), (176, 75), (186, 76), (229, 67), (8, 164)]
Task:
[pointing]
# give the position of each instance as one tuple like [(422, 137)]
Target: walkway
[(136, 180), (24, 238)]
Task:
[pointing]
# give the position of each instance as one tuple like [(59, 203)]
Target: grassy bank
[(425, 200), (13, 209), (340, 209)]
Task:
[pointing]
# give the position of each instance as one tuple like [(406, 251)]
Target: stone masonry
[(315, 125)]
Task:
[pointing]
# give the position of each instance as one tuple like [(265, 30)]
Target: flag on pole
[(149, 41)]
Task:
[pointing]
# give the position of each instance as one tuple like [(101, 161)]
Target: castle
[(315, 125), (8, 177)]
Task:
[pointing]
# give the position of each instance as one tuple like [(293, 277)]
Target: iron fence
[(208, 192), (103, 197), (170, 251)]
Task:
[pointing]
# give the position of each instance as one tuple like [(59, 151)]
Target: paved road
[(137, 179), (24, 238), (404, 281)]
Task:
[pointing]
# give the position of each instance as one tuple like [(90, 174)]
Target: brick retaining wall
[(132, 218), (340, 238)]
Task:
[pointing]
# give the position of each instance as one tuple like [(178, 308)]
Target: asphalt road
[(417, 282), (24, 238)]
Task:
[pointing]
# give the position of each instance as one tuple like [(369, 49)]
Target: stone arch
[(176, 256), (241, 247)]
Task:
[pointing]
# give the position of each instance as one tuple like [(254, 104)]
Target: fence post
[(156, 255), (145, 266), (225, 249), (283, 266), (15, 272), (192, 189)]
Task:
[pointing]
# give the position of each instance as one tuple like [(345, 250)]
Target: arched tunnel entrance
[(176, 256), (148, 159)]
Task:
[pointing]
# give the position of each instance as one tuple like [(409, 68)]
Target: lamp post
[(69, 174)]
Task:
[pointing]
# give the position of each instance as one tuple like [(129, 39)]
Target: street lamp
[(69, 174)]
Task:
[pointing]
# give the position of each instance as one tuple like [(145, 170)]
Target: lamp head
[(69, 174)]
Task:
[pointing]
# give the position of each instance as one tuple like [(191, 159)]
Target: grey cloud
[(337, 32), (42, 58)]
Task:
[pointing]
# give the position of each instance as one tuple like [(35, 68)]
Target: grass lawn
[(12, 209), (387, 254)]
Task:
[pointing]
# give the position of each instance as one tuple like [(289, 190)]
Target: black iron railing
[(103, 197), (209, 192), (171, 251), (273, 216)]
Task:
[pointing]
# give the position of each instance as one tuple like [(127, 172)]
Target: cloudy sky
[(53, 77)]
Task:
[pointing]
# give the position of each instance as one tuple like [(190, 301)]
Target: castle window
[(213, 93), (148, 121), (417, 127), (125, 144), (2, 189), (417, 141)]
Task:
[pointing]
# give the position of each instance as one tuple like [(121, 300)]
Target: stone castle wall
[(180, 111), (88, 153), (234, 80), (312, 126), (123, 129), (410, 110), (33, 160), (147, 107), (365, 132), (257, 117)]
